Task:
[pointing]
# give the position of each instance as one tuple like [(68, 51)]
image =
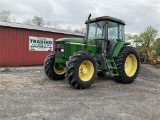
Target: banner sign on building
[(40, 44)]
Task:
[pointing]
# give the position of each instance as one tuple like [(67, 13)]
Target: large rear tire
[(128, 64), (51, 70), (81, 70)]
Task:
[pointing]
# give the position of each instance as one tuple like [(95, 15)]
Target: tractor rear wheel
[(128, 64), (51, 70), (81, 70)]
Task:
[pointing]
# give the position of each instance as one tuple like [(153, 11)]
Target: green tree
[(38, 21), (156, 46), (4, 16), (146, 38)]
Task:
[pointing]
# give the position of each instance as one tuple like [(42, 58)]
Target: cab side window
[(121, 32), (112, 30)]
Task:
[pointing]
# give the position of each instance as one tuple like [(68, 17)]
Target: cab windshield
[(97, 30), (106, 30)]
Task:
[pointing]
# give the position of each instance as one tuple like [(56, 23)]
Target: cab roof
[(107, 18)]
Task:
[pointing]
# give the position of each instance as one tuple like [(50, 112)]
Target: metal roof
[(32, 27)]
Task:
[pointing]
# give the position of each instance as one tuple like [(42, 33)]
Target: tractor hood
[(76, 40)]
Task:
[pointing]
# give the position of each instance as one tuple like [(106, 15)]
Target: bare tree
[(81, 30), (56, 25), (38, 21), (48, 24), (69, 28), (76, 31), (13, 19), (28, 22), (4, 16)]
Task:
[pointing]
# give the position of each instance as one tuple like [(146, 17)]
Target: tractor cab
[(106, 31)]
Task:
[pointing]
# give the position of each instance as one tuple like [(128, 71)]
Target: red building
[(22, 45)]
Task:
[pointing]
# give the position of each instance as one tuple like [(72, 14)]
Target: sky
[(138, 14)]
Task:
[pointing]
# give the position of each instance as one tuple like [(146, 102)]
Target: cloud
[(138, 14)]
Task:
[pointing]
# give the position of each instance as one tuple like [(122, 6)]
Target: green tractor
[(102, 50)]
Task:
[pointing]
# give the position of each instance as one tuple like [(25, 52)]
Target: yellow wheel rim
[(58, 71), (86, 70), (130, 65)]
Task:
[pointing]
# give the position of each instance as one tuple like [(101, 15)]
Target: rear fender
[(118, 48)]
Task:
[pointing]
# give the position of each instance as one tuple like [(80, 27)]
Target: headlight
[(62, 50)]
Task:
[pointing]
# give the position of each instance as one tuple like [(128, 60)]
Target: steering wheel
[(115, 39)]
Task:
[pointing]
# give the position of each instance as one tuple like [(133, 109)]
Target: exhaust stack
[(88, 29)]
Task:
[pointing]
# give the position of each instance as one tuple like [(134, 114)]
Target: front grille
[(59, 50), (59, 45)]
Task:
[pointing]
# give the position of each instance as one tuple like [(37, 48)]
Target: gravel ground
[(26, 94)]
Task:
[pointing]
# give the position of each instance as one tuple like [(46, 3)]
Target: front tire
[(128, 64), (50, 69), (81, 70)]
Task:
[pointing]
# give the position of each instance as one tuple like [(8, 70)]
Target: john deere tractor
[(102, 50)]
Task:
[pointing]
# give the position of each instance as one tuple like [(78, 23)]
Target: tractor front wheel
[(81, 70), (128, 64), (51, 69)]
